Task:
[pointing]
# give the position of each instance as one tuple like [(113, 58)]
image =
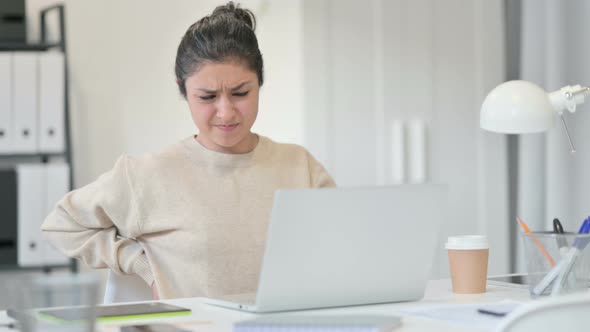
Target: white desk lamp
[(520, 107)]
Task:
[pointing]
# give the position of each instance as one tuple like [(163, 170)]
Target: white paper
[(465, 314)]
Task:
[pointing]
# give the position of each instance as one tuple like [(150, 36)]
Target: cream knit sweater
[(190, 219)]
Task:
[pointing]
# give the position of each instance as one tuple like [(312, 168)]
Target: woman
[(191, 220)]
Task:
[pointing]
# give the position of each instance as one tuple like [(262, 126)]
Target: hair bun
[(234, 11)]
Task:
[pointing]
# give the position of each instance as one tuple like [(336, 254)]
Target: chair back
[(563, 313)]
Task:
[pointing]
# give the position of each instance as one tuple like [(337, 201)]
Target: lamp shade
[(517, 107)]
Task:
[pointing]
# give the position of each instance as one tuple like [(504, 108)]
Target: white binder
[(5, 102), (25, 93), (51, 102), (31, 179), (57, 186)]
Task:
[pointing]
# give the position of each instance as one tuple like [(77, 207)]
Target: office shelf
[(23, 155), (11, 262), (47, 268), (28, 47)]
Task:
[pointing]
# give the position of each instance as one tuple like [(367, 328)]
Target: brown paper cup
[(469, 270), (468, 262)]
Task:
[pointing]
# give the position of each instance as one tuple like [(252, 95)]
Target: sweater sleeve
[(319, 176), (99, 224)]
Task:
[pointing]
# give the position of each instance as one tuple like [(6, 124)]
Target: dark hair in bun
[(225, 35)]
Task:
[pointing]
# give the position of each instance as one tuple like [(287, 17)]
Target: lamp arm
[(567, 133), (568, 97)]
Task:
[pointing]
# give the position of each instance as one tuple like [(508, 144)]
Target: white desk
[(209, 318)]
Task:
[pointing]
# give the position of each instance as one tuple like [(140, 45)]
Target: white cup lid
[(467, 242)]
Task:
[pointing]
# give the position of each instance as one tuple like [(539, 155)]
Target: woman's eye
[(207, 97), (241, 94)]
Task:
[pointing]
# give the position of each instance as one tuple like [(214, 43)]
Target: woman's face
[(223, 99)]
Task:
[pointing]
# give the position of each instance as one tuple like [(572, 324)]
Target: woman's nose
[(225, 109)]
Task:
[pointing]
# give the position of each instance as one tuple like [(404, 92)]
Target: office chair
[(125, 288), (563, 313)]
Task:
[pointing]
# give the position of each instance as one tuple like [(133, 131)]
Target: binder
[(30, 212), (5, 102), (51, 102), (24, 65), (40, 187), (57, 184)]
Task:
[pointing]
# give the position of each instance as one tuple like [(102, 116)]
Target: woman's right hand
[(155, 291)]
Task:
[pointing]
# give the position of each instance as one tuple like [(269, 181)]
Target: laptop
[(346, 246)]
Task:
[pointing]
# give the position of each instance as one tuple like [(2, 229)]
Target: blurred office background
[(382, 92)]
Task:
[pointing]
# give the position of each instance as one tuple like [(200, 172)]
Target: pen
[(527, 230), (584, 229), (564, 265), (558, 229), (493, 313), (571, 256)]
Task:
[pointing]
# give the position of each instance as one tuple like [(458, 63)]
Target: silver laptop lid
[(349, 246)]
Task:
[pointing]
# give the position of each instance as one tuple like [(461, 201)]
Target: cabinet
[(35, 147)]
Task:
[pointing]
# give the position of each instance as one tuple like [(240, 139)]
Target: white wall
[(404, 60), (123, 95)]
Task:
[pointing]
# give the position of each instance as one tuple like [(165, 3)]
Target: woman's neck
[(244, 146)]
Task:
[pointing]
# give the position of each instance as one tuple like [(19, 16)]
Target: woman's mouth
[(228, 127)]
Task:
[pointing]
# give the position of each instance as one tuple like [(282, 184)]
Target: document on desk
[(465, 314), (318, 323)]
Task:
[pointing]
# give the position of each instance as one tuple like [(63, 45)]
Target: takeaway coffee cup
[(468, 261)]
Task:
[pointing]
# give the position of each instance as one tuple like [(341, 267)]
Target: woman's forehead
[(224, 74)]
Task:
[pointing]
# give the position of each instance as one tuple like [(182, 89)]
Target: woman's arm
[(319, 176), (87, 222)]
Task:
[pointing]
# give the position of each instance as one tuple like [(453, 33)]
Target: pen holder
[(556, 263)]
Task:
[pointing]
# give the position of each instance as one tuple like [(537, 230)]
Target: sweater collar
[(203, 156)]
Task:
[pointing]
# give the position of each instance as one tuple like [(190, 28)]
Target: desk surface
[(209, 318)]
